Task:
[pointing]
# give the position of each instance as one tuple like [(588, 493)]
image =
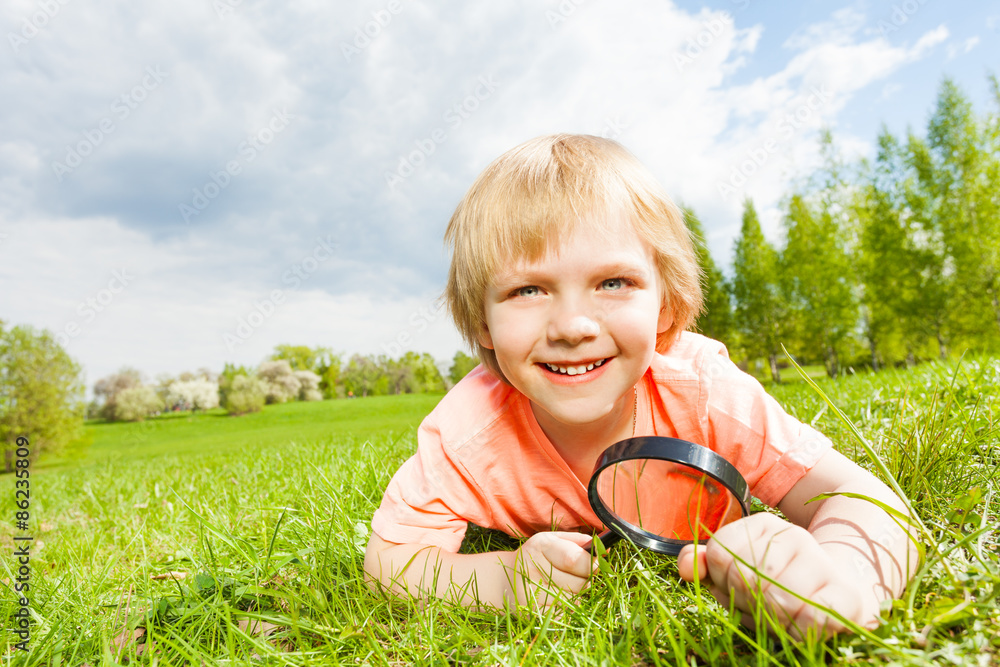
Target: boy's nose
[(574, 329)]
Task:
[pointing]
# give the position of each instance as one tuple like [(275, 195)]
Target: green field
[(266, 517)]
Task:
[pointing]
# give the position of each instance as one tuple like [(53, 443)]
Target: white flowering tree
[(308, 386), (200, 394), (280, 380), (137, 403)]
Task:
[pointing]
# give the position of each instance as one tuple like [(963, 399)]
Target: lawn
[(264, 518)]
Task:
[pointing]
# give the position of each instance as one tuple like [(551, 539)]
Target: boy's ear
[(665, 320), (485, 339)]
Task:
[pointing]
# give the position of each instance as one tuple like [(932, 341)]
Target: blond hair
[(544, 189)]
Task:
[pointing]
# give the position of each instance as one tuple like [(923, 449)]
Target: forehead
[(597, 243)]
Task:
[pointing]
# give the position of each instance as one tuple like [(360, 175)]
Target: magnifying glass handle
[(608, 538)]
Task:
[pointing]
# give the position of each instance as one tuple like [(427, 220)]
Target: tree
[(899, 261), (199, 394), (137, 403), (461, 365), (229, 373), (960, 181), (308, 386), (364, 377), (816, 268), (328, 369), (759, 305), (107, 389), (716, 321), (245, 394), (279, 380), (932, 306), (320, 360), (427, 377), (299, 357), (41, 392)]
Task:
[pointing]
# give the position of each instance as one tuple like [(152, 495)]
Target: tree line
[(886, 261), (291, 373)]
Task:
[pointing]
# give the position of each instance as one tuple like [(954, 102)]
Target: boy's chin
[(581, 415)]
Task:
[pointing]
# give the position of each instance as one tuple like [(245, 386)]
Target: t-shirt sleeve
[(772, 449), (431, 498)]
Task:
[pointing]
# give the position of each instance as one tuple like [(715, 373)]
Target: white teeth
[(574, 370)]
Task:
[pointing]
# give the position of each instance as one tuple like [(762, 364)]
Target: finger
[(744, 559), (565, 552), (831, 596), (544, 576), (692, 563)]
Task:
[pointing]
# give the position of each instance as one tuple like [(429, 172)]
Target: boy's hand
[(546, 562), (791, 556)]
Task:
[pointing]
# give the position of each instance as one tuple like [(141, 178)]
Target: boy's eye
[(612, 284), (527, 291)]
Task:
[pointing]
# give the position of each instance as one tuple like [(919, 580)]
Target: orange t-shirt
[(482, 457)]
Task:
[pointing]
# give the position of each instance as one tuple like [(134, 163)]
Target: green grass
[(216, 432), (268, 515)]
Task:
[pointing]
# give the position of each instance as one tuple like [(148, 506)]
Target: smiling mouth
[(579, 369)]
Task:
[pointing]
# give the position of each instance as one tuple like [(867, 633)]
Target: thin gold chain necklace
[(635, 409)]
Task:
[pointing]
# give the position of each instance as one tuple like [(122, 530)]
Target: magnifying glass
[(665, 493)]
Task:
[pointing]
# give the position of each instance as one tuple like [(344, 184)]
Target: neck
[(581, 444)]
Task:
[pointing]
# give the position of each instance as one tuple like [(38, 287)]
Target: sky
[(191, 183)]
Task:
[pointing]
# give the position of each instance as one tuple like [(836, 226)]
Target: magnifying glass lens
[(665, 499)]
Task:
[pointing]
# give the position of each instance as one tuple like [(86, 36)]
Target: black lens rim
[(674, 450)]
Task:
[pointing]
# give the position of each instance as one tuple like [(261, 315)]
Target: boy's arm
[(843, 553), (500, 579)]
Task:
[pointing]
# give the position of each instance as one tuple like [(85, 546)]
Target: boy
[(575, 277)]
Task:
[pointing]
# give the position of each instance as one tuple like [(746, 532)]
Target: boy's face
[(575, 330)]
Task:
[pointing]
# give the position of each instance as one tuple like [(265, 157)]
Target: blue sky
[(185, 184)]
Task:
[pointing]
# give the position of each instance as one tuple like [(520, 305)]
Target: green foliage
[(364, 376), (229, 373), (461, 365), (903, 260), (41, 392), (760, 307), (716, 320), (245, 394), (962, 193), (320, 360), (817, 273)]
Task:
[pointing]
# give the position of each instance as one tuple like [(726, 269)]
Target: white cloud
[(664, 80), (958, 49)]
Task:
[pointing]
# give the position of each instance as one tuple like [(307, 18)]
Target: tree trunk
[(942, 348), (996, 305), (832, 362), (772, 359)]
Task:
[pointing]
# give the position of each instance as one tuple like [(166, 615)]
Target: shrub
[(137, 403), (246, 394)]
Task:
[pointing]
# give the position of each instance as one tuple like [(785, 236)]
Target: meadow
[(206, 539)]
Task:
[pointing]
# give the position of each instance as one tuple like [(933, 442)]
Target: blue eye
[(528, 291), (613, 284)]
